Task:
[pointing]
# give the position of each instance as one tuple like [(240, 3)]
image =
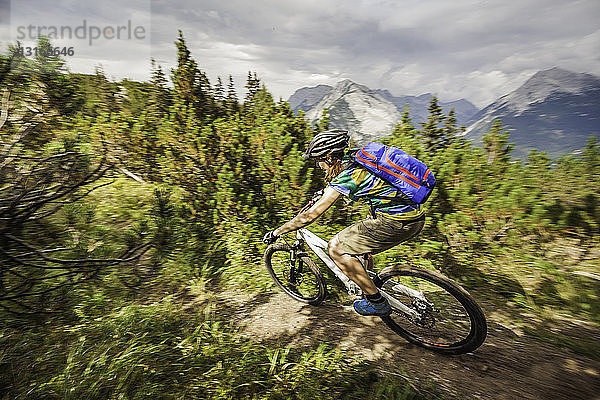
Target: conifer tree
[(219, 94), (50, 69), (159, 101), (192, 87), (5, 67), (185, 74), (405, 127), (450, 129), (231, 101), (205, 108), (591, 155), (406, 121), (252, 87), (100, 95), (404, 134), (432, 131), (496, 146), (323, 123), (538, 171), (591, 165)]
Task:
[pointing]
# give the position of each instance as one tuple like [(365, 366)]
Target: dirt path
[(507, 366)]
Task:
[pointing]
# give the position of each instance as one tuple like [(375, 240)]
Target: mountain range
[(366, 113), (554, 111)]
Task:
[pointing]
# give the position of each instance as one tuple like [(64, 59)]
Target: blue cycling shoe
[(366, 307)]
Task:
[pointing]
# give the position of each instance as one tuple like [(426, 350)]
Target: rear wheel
[(300, 278), (441, 315)]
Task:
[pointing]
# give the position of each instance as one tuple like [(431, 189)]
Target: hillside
[(132, 217)]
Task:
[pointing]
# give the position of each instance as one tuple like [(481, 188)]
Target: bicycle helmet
[(327, 142)]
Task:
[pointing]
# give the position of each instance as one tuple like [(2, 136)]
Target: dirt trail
[(507, 366)]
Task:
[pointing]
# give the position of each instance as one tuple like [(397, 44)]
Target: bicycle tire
[(311, 287), (436, 289)]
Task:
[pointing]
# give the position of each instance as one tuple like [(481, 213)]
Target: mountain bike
[(428, 309)]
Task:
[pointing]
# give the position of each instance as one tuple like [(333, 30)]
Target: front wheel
[(299, 276), (432, 311)]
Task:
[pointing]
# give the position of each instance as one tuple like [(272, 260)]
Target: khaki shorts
[(376, 235)]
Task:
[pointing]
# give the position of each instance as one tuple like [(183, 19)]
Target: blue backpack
[(407, 174)]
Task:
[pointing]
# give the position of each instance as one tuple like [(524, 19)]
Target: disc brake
[(426, 311)]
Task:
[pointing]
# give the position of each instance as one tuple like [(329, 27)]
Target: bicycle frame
[(319, 246)]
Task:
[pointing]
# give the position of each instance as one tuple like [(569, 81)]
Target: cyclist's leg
[(401, 231), (351, 266), (369, 236)]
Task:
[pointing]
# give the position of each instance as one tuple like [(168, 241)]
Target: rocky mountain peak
[(562, 79), (366, 113), (545, 83), (347, 86), (554, 111), (306, 98)]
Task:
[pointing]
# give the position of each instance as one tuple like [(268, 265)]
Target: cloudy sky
[(473, 49)]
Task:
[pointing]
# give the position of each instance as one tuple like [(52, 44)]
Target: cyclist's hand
[(270, 237)]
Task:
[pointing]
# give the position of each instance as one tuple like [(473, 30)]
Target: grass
[(121, 344), (159, 351), (151, 342)]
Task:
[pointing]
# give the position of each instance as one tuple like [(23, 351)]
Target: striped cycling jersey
[(359, 184)]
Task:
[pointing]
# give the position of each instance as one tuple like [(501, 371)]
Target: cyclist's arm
[(307, 217)]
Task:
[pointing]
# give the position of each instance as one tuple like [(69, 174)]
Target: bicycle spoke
[(439, 318), (296, 278)]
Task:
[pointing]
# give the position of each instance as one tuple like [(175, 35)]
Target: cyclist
[(389, 224)]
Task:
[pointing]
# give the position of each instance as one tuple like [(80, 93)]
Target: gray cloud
[(465, 48)]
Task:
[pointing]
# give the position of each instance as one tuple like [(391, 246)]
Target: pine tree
[(432, 131), (450, 129), (185, 74), (219, 92), (205, 108), (231, 100), (404, 134), (406, 121), (252, 87), (591, 154), (5, 67), (496, 146), (405, 127), (50, 70), (538, 166), (323, 123), (160, 97), (192, 87), (101, 96)]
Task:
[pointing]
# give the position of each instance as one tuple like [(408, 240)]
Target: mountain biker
[(389, 224)]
